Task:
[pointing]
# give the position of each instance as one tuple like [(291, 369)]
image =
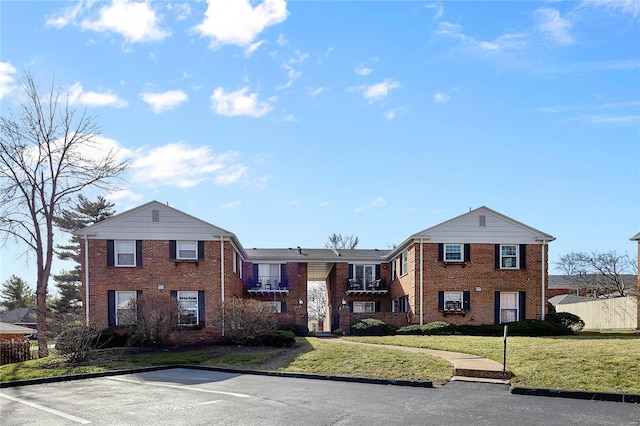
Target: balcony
[(268, 285), (366, 286)]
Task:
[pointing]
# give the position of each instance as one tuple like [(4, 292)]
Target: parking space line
[(46, 409), (239, 395)]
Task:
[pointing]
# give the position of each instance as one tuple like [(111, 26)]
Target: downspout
[(86, 278), (421, 282), (543, 302), (222, 279)]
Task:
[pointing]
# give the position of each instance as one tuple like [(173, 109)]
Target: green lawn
[(601, 362)]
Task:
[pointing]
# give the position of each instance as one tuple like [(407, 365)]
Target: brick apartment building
[(478, 268)]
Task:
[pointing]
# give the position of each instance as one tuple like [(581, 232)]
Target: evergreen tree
[(83, 214), (16, 293)]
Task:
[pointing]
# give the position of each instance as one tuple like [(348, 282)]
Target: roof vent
[(483, 220), (155, 215)]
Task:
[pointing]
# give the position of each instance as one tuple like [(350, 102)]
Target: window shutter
[(467, 252), (172, 249), (111, 306), (350, 306), (440, 252), (110, 254), (377, 277), (255, 274), (466, 300), (521, 306), (201, 309), (283, 275), (138, 296), (496, 307), (523, 256), (173, 294), (138, 253), (283, 307), (441, 300), (497, 259), (200, 250), (350, 271), (378, 307)]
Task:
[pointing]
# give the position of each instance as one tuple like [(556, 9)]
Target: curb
[(562, 393), (392, 382)]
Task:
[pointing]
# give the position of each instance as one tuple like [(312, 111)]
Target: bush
[(157, 317), (432, 328), (279, 338), (338, 332), (372, 327), (113, 337), (298, 330), (74, 343), (247, 321), (531, 327), (572, 322)]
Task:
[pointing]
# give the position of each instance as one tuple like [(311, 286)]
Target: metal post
[(504, 362)]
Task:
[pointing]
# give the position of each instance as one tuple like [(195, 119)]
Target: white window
[(125, 307), (187, 250), (453, 253), (276, 306), (508, 307), (509, 256), (188, 307), (364, 307), (125, 253), (393, 270), (269, 276), (404, 263), (453, 301), (364, 276), (394, 305)]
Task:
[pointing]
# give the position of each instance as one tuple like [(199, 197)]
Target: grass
[(593, 362)]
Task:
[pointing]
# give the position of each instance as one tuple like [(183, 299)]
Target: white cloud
[(124, 194), (554, 26), (7, 81), (67, 16), (239, 102), (315, 91), (238, 22), (183, 166), (379, 91), (164, 101), (391, 114), (363, 70), (377, 202), (438, 9), (441, 98), (230, 205), (282, 40), (78, 96), (504, 42), (630, 7), (253, 47)]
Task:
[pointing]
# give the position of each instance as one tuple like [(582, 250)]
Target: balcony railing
[(362, 285), (268, 284)]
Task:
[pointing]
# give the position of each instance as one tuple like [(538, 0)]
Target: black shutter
[(467, 252), (523, 256), (378, 307), (173, 294), (350, 306), (283, 275), (377, 277), (138, 296), (496, 307), (138, 253), (201, 308), (466, 300), (172, 249), (255, 273), (521, 306), (110, 253), (350, 266), (441, 300), (497, 259), (111, 306), (283, 307), (440, 252), (200, 250)]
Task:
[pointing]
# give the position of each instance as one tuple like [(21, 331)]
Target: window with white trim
[(508, 306), (125, 307), (275, 305), (125, 253), (508, 256), (393, 270), (269, 276), (404, 263), (188, 308), (453, 253), (364, 307), (394, 305), (453, 301), (187, 250)]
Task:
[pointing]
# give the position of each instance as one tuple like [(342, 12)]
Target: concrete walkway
[(471, 368)]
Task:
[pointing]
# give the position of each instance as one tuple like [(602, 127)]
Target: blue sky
[(284, 122)]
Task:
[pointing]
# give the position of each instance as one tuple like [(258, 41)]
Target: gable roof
[(564, 299), (6, 328), (481, 225), (316, 255), (154, 221), (636, 237)]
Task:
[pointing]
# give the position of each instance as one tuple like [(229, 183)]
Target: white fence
[(620, 313)]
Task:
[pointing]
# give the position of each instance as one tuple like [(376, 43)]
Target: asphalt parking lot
[(194, 397)]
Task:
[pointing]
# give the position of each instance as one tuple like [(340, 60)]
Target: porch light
[(344, 302), (300, 301)]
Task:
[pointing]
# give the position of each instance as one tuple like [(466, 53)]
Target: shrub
[(432, 328), (338, 332), (157, 317), (372, 327), (112, 337), (568, 320), (298, 330), (312, 334), (74, 343), (279, 338), (247, 320)]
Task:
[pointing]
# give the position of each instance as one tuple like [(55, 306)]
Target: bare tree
[(317, 301), (609, 273), (48, 154), (339, 241)]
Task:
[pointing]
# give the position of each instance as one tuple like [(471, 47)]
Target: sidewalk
[(471, 368)]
